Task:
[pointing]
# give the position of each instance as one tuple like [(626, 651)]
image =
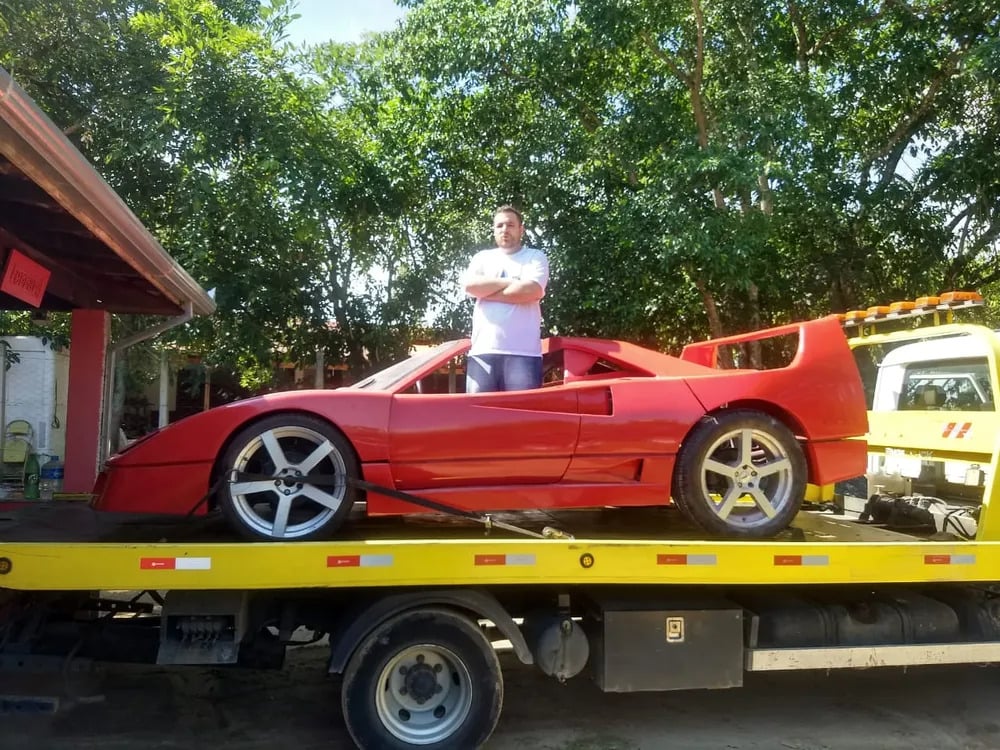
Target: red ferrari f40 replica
[(614, 424)]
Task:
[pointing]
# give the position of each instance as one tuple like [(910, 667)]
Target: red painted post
[(89, 336)]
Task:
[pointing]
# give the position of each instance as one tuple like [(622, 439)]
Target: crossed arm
[(512, 291)]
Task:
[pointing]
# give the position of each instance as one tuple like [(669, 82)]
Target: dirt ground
[(150, 708)]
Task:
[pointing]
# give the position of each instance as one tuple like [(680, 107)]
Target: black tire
[(305, 446), (740, 474), (395, 696)]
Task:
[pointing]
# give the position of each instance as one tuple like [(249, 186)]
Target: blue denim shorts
[(502, 372)]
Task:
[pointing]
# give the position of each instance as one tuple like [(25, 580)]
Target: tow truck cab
[(933, 423)]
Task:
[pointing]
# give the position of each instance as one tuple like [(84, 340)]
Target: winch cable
[(335, 481)]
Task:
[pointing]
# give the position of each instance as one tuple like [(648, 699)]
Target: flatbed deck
[(68, 547)]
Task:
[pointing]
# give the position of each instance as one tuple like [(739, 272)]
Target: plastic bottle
[(50, 478), (31, 477)]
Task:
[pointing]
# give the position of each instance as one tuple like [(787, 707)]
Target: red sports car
[(614, 425)]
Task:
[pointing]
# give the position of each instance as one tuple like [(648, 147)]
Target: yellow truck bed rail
[(824, 549)]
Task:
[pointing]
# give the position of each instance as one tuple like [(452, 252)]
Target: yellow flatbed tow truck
[(412, 610), (413, 607)]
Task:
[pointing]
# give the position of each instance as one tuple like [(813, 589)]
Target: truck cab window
[(954, 385)]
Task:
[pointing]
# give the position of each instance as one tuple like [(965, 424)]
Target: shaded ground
[(939, 708)]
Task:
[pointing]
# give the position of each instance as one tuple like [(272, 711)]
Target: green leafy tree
[(717, 166)]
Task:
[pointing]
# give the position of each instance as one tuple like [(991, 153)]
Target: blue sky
[(342, 20)]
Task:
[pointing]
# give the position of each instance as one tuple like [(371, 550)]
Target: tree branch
[(961, 263), (693, 83), (337, 289), (714, 321), (888, 171), (697, 100), (766, 195), (663, 57), (904, 130), (834, 34), (964, 213), (587, 115), (801, 36)]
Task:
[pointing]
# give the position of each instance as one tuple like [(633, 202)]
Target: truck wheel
[(269, 463), (426, 678), (740, 474)]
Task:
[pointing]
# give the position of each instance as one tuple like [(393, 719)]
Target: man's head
[(508, 228)]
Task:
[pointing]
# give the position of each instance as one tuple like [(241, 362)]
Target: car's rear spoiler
[(706, 353)]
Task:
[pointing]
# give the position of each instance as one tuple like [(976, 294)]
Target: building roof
[(56, 209)]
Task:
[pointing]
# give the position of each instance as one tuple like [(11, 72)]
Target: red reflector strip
[(175, 563), (965, 428), (359, 561), (343, 561), (948, 428), (686, 560), (505, 560), (156, 563), (800, 560), (949, 559)]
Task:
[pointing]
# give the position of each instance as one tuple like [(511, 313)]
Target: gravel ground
[(151, 708)]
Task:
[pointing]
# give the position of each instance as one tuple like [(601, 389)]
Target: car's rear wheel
[(287, 479), (740, 474)]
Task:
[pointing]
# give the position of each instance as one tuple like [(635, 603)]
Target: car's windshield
[(385, 379)]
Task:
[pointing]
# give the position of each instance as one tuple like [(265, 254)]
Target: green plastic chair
[(17, 446)]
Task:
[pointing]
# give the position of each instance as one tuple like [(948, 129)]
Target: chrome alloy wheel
[(286, 505), (748, 476)]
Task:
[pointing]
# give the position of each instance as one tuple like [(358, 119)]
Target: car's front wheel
[(286, 478), (740, 474)]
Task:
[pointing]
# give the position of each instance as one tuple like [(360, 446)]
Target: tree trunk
[(753, 295), (714, 322)]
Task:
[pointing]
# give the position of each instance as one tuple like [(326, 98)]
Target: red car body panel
[(818, 377), (605, 433)]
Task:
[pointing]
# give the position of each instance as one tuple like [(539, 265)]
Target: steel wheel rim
[(424, 694), (744, 465), (287, 454)]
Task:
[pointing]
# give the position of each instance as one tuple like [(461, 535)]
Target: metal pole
[(109, 371), (319, 381), (164, 411)]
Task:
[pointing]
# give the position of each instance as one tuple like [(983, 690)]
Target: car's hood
[(363, 416)]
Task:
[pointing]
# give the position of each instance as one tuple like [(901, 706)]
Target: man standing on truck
[(508, 282)]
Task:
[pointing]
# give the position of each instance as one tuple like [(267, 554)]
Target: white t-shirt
[(503, 327)]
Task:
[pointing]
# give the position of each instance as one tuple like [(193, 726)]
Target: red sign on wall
[(24, 279)]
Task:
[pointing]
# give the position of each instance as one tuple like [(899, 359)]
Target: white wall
[(36, 390)]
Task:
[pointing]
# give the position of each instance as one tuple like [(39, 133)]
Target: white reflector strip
[(359, 561), (797, 560), (815, 560), (686, 560), (522, 559), (175, 563), (376, 561), (193, 563)]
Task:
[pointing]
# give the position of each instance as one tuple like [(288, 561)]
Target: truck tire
[(286, 449), (426, 678), (740, 474)]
